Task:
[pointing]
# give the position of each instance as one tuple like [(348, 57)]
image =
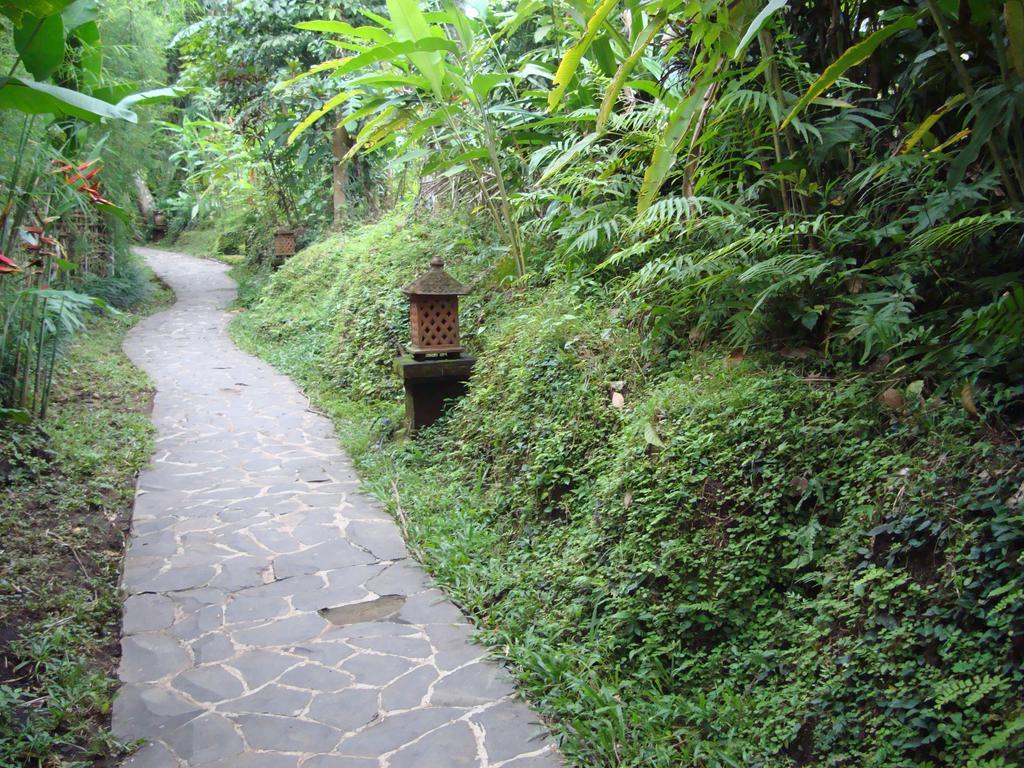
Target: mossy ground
[(68, 486), (737, 561)]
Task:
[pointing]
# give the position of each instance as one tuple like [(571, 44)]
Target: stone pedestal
[(429, 384)]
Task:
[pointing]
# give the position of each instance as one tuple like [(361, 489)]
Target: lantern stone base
[(430, 385)]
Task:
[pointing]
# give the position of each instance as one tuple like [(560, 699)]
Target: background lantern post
[(284, 245), (436, 370)]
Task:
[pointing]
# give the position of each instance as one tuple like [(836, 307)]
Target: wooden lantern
[(284, 243), (434, 312), (159, 225)]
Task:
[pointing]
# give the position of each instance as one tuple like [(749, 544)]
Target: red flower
[(6, 265)]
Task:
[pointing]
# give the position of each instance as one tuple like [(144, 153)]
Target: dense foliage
[(693, 156), (738, 478), (80, 88), (748, 562), (73, 153)]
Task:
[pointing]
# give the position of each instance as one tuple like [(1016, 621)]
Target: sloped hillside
[(688, 555)]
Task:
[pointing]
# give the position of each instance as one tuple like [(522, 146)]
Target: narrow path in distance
[(274, 618)]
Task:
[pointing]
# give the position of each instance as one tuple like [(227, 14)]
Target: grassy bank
[(65, 502), (689, 556)]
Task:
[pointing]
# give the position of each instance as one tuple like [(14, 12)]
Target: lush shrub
[(129, 286)]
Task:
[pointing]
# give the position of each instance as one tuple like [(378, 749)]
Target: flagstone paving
[(274, 618)]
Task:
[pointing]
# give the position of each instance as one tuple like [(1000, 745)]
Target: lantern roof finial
[(435, 282)]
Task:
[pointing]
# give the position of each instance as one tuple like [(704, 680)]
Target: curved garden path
[(273, 616)]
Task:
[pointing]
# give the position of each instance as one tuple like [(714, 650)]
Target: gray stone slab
[(321, 557), (270, 700), (329, 653), (205, 739), (401, 578), (476, 683), (151, 656), (286, 734), (505, 725), (381, 538), (211, 683), (145, 613), (212, 648), (147, 712), (395, 731), (154, 755), (242, 608), (178, 578), (376, 670), (281, 632), (346, 710), (396, 645), (549, 759), (339, 761), (316, 677), (453, 746), (260, 666), (430, 607), (453, 645), (409, 690), (257, 760)]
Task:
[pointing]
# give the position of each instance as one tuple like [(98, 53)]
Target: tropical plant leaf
[(37, 98), (652, 437), (425, 124), (567, 157), (485, 82), (368, 132), (918, 133), (611, 94), (391, 80), (17, 415), (329, 105), (80, 12), (571, 61), (374, 34), (667, 148), (756, 24), (17, 10), (387, 52), (853, 56), (443, 163), (89, 54), (524, 11), (154, 96), (411, 25), (40, 44)]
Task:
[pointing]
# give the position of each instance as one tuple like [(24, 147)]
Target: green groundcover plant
[(688, 555)]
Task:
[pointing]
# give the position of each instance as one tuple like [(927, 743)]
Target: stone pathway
[(273, 616)]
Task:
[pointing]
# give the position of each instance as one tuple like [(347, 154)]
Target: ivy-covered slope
[(691, 558)]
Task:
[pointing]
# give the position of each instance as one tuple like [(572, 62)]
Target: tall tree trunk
[(147, 204), (340, 144)]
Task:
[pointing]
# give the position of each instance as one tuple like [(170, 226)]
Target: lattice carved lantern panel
[(284, 243), (434, 312)]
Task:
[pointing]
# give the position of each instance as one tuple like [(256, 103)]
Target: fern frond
[(956, 233)]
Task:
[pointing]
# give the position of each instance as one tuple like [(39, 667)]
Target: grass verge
[(65, 505)]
